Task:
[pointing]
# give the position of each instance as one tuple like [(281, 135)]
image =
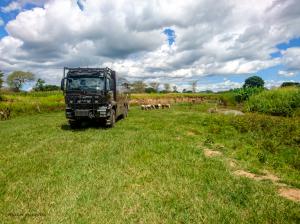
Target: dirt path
[(283, 189)]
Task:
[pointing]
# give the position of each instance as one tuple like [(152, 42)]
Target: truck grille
[(85, 102), (81, 113)]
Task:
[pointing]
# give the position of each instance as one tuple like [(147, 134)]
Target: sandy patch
[(270, 176), (243, 173), (225, 111), (290, 193), (232, 163), (267, 176), (190, 133), (211, 153)]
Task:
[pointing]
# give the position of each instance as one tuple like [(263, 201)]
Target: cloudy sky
[(217, 43)]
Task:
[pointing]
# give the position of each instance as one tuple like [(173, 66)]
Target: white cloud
[(275, 83), (19, 4), (229, 37), (286, 73), (291, 58), (13, 6)]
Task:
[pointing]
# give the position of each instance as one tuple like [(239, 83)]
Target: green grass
[(32, 103), (24, 103), (150, 168), (282, 102)]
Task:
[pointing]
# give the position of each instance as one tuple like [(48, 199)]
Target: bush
[(288, 84), (279, 102), (268, 133), (243, 94)]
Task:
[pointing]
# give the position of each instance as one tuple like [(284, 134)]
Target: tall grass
[(37, 102), (31, 103), (280, 102)]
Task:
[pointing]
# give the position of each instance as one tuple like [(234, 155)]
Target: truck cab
[(94, 94)]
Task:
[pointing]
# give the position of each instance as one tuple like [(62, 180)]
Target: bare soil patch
[(225, 111), (191, 133), (290, 193), (211, 153), (232, 163), (266, 176)]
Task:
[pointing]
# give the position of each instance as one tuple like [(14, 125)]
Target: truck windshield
[(85, 83)]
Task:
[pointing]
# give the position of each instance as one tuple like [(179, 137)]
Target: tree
[(16, 79), (138, 87), (51, 88), (194, 86), (254, 81), (175, 89), (150, 90), (1, 79), (167, 87), (286, 84), (154, 85), (39, 86)]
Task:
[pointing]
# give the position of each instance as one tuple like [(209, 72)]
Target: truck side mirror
[(63, 84)]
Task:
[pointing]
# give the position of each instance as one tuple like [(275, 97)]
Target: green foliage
[(17, 78), (51, 88), (243, 94), (150, 90), (1, 79), (138, 87), (254, 81), (41, 86), (288, 84), (148, 169), (21, 103), (154, 85), (281, 102)]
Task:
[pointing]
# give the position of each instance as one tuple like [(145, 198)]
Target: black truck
[(94, 94)]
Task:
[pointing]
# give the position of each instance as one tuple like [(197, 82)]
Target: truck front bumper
[(101, 112)]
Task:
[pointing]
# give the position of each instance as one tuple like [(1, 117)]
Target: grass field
[(23, 103), (150, 168)]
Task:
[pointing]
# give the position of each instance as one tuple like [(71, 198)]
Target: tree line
[(17, 79)]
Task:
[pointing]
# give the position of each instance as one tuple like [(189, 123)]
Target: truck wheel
[(74, 124), (112, 119)]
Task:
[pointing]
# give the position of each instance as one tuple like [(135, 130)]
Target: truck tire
[(74, 124), (112, 119)]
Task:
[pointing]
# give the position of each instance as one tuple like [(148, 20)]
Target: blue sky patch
[(295, 42), (170, 35), (80, 5), (276, 54)]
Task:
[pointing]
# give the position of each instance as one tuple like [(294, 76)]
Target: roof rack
[(79, 70)]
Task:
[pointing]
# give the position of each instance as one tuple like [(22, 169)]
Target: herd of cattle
[(155, 106)]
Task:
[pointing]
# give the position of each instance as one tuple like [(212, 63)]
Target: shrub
[(280, 102), (243, 94), (268, 133), (288, 84)]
